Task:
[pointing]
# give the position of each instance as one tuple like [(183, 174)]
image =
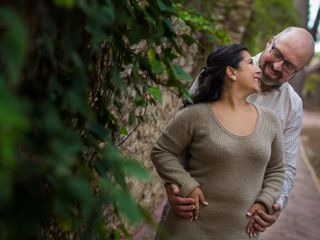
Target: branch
[(314, 29)]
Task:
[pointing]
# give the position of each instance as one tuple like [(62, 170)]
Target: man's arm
[(260, 221), (292, 138)]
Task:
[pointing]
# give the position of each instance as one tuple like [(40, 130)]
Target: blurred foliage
[(268, 19), (311, 82), (203, 22), (76, 77)]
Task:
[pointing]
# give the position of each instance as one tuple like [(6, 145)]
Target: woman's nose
[(258, 70)]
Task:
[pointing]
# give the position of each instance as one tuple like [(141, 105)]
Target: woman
[(236, 150)]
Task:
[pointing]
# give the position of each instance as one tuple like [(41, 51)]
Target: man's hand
[(260, 219), (183, 207)]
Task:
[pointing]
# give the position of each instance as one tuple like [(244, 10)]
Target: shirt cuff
[(188, 187), (282, 201)]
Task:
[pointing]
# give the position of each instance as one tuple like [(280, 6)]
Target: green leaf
[(64, 3), (97, 129), (13, 43), (187, 95), (123, 131), (156, 66), (165, 8), (116, 79), (156, 93), (188, 39), (179, 73), (134, 169), (140, 101), (122, 199)]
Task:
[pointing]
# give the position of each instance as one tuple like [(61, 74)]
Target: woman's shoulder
[(193, 112), (195, 109), (268, 114)]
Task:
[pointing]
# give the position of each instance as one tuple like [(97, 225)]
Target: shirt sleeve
[(195, 85), (292, 139), (173, 141)]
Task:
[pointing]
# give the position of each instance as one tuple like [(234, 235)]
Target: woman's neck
[(233, 101)]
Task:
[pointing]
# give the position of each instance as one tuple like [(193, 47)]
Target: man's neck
[(266, 88)]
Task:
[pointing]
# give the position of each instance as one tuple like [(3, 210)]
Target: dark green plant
[(76, 77)]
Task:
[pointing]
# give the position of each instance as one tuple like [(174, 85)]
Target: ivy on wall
[(67, 70)]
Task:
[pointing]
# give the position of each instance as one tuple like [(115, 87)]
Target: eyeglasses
[(287, 66)]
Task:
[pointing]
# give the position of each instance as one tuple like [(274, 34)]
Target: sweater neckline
[(232, 134)]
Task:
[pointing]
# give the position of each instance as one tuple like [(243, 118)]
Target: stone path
[(300, 220)]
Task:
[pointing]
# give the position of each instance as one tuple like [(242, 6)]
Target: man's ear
[(231, 73)]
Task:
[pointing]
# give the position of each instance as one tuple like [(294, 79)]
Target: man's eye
[(290, 66), (277, 54)]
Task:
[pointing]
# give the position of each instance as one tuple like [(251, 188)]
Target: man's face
[(278, 63)]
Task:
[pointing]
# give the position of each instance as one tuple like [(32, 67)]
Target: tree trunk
[(302, 7)]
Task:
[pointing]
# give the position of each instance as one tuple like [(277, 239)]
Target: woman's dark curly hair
[(211, 78)]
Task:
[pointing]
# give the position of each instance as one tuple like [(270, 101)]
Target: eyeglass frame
[(281, 58)]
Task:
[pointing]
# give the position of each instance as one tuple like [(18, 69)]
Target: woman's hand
[(198, 197)]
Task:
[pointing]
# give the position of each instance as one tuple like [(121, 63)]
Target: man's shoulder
[(267, 113), (291, 96)]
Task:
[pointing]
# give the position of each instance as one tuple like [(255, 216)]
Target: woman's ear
[(231, 73)]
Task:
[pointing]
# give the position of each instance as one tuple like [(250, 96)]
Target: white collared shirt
[(287, 105)]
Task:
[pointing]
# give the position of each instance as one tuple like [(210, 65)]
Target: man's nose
[(278, 65)]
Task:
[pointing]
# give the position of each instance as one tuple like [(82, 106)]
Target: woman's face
[(248, 74)]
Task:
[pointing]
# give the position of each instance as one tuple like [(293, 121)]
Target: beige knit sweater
[(233, 171)]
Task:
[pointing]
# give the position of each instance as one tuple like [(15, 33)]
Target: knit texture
[(233, 171)]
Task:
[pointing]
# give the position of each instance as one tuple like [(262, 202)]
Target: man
[(284, 56)]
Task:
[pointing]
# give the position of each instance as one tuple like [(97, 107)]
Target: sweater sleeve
[(164, 155), (274, 174)]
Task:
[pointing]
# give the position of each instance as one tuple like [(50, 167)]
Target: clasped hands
[(188, 208)]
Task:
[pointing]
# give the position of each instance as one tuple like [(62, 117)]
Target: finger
[(250, 225), (185, 215), (172, 188), (185, 208), (269, 218), (259, 221), (250, 211), (252, 232), (258, 228), (203, 201), (196, 211), (176, 200), (276, 207)]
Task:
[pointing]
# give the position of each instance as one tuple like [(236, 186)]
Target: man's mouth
[(273, 72)]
